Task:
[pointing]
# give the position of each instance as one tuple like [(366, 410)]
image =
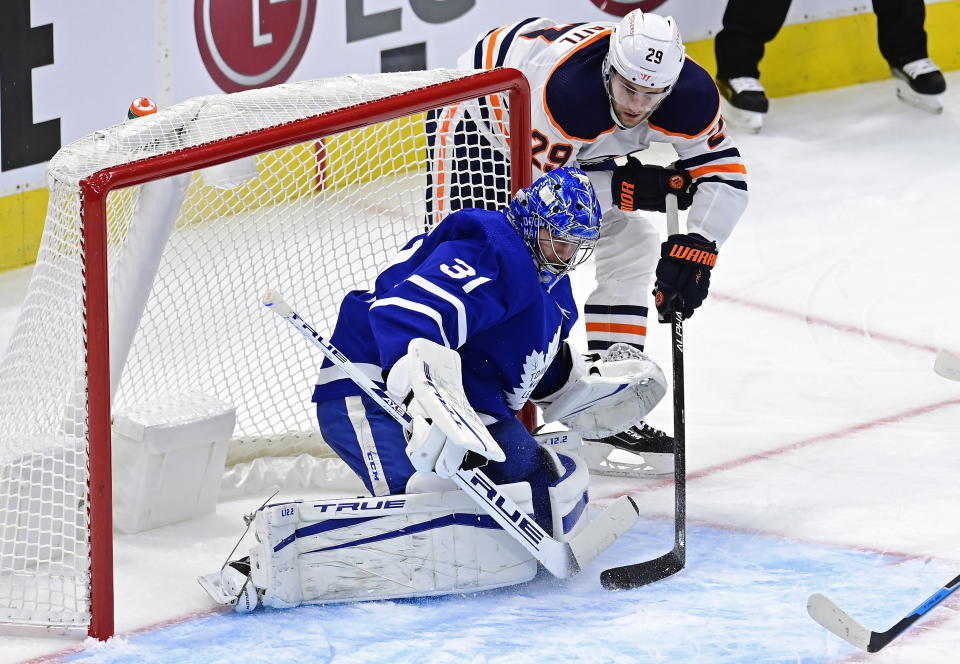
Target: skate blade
[(929, 103), (604, 459), (749, 120)]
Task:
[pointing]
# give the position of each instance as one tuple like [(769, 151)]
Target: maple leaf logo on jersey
[(534, 366)]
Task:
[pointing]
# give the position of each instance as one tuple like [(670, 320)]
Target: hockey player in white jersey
[(493, 286), (606, 90)]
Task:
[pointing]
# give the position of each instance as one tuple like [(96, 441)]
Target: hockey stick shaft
[(822, 609), (562, 559), (649, 571), (275, 302), (679, 412)]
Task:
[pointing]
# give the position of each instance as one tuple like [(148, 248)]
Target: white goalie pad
[(566, 442), (568, 494), (388, 547), (601, 399)]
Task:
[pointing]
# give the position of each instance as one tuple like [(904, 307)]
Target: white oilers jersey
[(573, 123), (470, 284)]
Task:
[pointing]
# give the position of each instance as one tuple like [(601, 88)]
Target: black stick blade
[(641, 574)]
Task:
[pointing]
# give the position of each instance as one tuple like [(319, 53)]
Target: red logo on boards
[(252, 43), (620, 8)]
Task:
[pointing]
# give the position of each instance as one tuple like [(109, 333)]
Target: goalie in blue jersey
[(493, 287), (491, 284)]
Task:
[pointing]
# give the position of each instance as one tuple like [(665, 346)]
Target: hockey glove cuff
[(636, 186), (683, 274)]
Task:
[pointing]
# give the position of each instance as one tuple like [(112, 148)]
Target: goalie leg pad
[(568, 494), (410, 545)]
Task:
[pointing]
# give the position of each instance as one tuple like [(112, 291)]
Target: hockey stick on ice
[(947, 364), (562, 559), (822, 609), (648, 571)]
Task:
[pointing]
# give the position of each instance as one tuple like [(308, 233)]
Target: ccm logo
[(374, 471)]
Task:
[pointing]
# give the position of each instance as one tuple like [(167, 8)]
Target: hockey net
[(184, 218)]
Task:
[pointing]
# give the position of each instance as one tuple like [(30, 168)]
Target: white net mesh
[(188, 259)]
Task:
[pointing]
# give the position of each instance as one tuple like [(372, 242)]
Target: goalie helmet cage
[(185, 217)]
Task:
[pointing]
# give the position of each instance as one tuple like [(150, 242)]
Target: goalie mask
[(558, 217), (643, 64)]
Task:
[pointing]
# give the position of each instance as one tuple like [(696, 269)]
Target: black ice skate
[(744, 101), (650, 453), (920, 83)]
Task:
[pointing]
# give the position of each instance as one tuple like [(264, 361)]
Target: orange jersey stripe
[(441, 156), (488, 64), (622, 328), (717, 168), (491, 47)]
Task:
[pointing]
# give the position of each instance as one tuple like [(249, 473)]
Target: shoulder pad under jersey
[(574, 95), (692, 106)]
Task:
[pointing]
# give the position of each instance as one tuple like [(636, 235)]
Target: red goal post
[(369, 134)]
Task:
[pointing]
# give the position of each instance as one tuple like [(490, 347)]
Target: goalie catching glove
[(638, 186), (446, 433), (601, 399)]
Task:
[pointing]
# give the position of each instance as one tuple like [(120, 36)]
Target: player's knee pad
[(388, 547), (568, 493)]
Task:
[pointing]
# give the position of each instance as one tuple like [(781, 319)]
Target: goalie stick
[(642, 573), (822, 609), (562, 559)]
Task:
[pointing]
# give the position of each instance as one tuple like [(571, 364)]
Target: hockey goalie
[(483, 299)]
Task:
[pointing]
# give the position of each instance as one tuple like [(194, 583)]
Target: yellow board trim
[(21, 224), (839, 52)]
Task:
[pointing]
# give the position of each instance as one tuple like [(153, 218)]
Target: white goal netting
[(187, 259)]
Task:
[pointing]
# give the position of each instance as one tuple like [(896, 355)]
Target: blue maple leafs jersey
[(470, 284)]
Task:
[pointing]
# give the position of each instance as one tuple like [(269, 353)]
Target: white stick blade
[(832, 617), (604, 530), (274, 301), (947, 364)]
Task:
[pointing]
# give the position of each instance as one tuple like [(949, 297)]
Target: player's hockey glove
[(637, 186), (683, 274)]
